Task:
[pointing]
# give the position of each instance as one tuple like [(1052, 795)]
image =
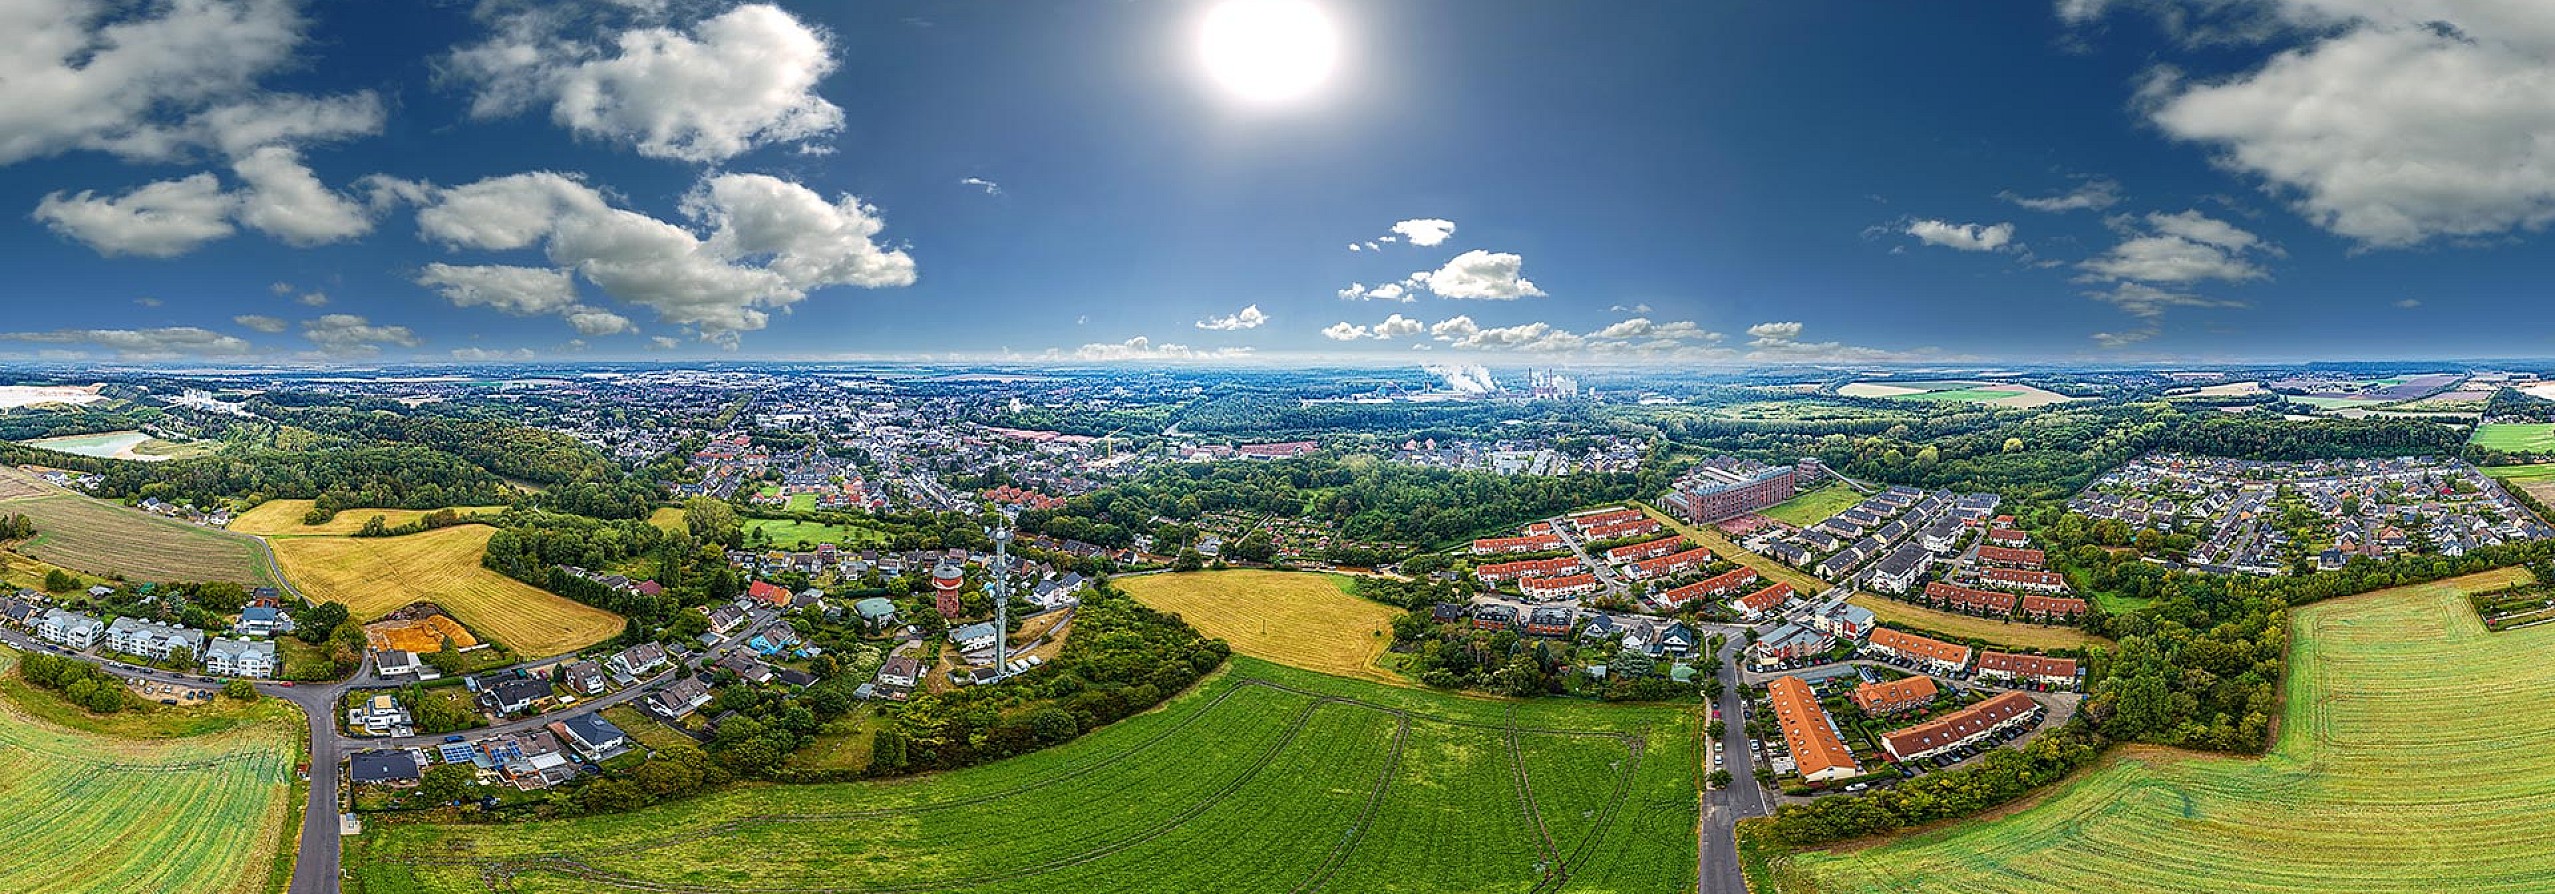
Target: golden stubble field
[(1300, 619), (375, 575), (2411, 760), (283, 518)]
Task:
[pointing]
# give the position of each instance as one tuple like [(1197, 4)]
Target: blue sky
[(1656, 182)]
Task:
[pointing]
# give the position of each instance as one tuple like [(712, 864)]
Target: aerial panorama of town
[(1277, 447)]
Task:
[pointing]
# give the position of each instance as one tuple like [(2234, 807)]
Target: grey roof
[(381, 766)]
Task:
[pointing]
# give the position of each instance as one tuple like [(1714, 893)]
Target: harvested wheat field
[(97, 537), (1306, 620), (2409, 761), (283, 518), (375, 576)]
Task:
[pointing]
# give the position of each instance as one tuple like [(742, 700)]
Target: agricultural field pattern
[(97, 537), (199, 814), (1263, 779)]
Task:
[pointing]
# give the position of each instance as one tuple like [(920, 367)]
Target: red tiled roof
[(2053, 605), (1966, 597), (2033, 578), (1895, 694), (2011, 556), (2026, 665), (1806, 729), (1911, 644), (1959, 725)]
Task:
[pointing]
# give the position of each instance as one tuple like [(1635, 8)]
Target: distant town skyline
[(1501, 182)]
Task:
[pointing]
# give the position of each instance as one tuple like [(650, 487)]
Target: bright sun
[(1267, 50)]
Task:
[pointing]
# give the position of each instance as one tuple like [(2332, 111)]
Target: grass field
[(668, 519), (283, 518), (96, 813), (2531, 437), (2009, 633), (1264, 779), (2536, 480), (2410, 760), (1811, 508), (2002, 394), (1307, 620), (100, 538), (785, 533), (374, 575)]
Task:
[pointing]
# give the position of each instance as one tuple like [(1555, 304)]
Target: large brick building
[(1714, 492)]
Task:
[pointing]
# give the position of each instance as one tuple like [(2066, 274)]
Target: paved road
[(1717, 852)]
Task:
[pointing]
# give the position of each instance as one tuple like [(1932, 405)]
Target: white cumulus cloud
[(740, 80), (1478, 274), (1247, 318), (1965, 237)]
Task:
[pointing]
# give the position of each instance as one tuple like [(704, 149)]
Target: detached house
[(239, 658), (151, 639)]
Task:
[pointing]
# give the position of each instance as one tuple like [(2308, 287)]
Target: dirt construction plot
[(426, 635)]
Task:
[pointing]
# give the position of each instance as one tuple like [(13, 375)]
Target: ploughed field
[(81, 812), (1263, 779), (86, 534), (2411, 759), (1306, 620), (374, 576)]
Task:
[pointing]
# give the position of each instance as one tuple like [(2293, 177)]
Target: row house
[(1758, 604), (1561, 587), (1670, 565), (2035, 581), (1896, 696), (1964, 727), (1507, 571), (1649, 550), (2053, 608), (2008, 537), (2006, 667), (2009, 557), (1927, 654), (1966, 599), (1588, 520), (1534, 543), (1818, 753), (1634, 527)]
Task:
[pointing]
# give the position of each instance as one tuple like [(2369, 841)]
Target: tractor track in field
[(500, 873), (1550, 855), (1365, 816)]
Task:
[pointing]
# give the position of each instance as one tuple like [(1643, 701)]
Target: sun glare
[(1268, 50)]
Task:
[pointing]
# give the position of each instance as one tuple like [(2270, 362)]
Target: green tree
[(60, 581), (446, 783), (240, 690)]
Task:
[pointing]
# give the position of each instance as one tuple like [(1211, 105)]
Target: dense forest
[(1366, 498), (377, 477)]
